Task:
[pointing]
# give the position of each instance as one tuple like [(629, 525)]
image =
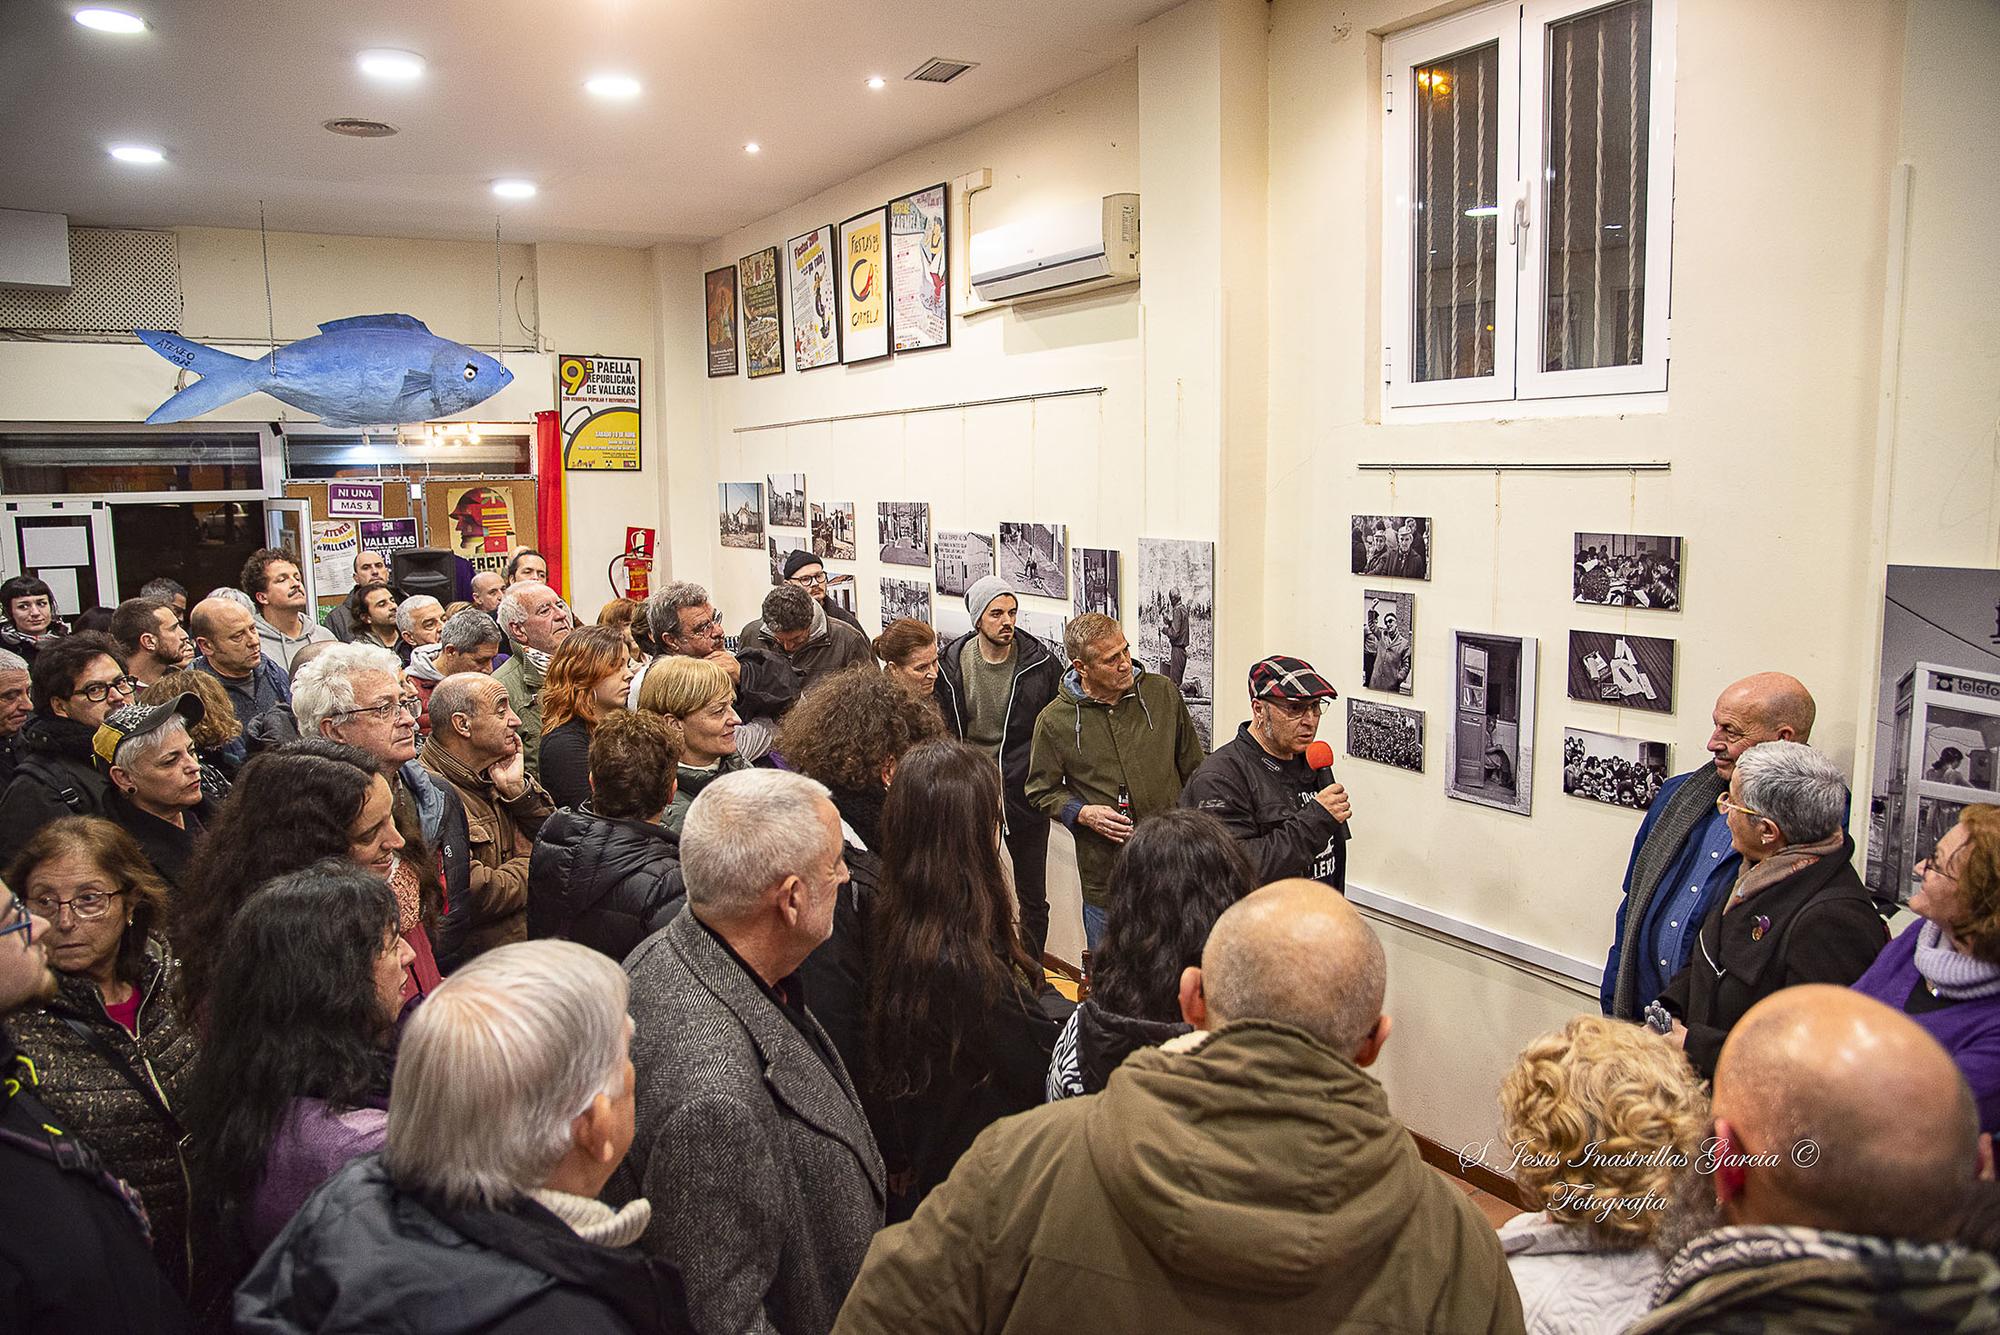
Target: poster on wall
[(1177, 621), (1937, 716), (864, 287), (1385, 734), (335, 543), (741, 517), (962, 560), (353, 500), (1628, 570), (763, 323), (920, 260), (480, 519), (903, 532), (388, 535), (1093, 580), (833, 530), (1617, 771), (718, 287), (1395, 546), (1034, 558), (1490, 743), (785, 497), (905, 598), (815, 299), (1634, 671), (1388, 632), (597, 403)]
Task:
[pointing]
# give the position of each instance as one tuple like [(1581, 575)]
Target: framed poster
[(718, 287), (763, 325), (1490, 745), (920, 266), (597, 403), (1385, 734), (864, 279), (354, 500), (482, 519), (815, 299), (903, 530)]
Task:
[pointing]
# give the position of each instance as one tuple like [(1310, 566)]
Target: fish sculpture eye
[(471, 372)]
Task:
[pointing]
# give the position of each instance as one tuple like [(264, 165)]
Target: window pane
[(1455, 214), (1599, 83)]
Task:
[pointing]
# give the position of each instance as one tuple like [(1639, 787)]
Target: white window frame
[(1519, 28)]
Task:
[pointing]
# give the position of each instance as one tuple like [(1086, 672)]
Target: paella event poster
[(598, 400)]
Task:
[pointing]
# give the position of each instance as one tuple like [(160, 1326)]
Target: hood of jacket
[(423, 662), (1104, 1039), (1253, 1158), (64, 738)]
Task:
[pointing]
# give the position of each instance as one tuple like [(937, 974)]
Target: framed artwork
[(763, 324), (718, 287), (1093, 580), (1034, 558), (1614, 668), (920, 262), (832, 530), (864, 282), (905, 598), (963, 559), (1628, 570), (1490, 745), (1388, 635), (815, 299), (780, 549), (1617, 771), (1396, 546), (1385, 734)]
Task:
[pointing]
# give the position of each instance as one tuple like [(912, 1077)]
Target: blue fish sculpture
[(367, 370)]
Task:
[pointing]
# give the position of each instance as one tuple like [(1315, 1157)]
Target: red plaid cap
[(1281, 678)]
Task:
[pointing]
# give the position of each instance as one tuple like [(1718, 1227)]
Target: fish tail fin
[(188, 354), (224, 376)]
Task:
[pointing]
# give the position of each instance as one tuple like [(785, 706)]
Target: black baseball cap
[(138, 720)]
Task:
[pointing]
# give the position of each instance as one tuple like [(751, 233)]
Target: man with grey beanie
[(993, 682)]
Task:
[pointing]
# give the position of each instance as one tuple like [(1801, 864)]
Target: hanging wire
[(270, 308), (499, 341)]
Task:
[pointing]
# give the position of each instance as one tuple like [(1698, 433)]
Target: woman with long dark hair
[(955, 1038), (296, 1081), (1173, 878), (587, 679)]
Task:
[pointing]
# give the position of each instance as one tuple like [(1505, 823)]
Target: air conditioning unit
[(34, 251), (1058, 253)]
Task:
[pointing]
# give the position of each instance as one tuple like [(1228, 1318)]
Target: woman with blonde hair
[(1602, 1120), (698, 695), (588, 676)]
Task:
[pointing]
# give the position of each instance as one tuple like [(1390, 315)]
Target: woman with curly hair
[(1604, 1120), (218, 738), (587, 678)]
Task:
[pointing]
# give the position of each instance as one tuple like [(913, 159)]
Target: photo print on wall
[(905, 598), (785, 496), (1393, 546), (833, 530), (963, 559), (1617, 771), (1388, 633), (815, 300), (1034, 558), (780, 548), (1385, 734), (1048, 627), (903, 530), (1628, 570), (1490, 748), (742, 518), (1094, 580), (840, 591), (1176, 622), (1610, 668)]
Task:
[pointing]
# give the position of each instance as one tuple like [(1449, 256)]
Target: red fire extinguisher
[(636, 563)]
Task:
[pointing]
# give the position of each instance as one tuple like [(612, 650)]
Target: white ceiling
[(235, 92)]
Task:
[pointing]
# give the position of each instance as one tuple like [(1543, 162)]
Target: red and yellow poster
[(864, 278)]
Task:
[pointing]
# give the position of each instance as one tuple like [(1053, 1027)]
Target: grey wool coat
[(765, 1182)]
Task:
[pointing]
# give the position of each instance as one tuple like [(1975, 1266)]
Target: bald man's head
[(1765, 707), (1296, 953), (1891, 1125)]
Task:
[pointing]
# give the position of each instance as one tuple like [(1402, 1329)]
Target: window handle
[(1520, 213)]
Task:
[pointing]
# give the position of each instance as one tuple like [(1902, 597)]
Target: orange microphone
[(1319, 755)]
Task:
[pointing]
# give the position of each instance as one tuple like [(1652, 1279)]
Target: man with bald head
[(1845, 1145), (1682, 862), (1246, 1176)]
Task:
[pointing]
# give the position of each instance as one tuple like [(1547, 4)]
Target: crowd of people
[(1627, 579), (516, 975), (1610, 779)]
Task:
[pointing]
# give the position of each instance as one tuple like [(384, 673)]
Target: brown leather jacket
[(501, 834)]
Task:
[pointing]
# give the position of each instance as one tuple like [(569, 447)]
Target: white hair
[(325, 686), (1794, 786), (12, 662), (134, 749), (496, 1066), (513, 609), (406, 611), (748, 831), (234, 595)]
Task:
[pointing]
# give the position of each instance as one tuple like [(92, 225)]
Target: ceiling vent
[(355, 128), (939, 70)]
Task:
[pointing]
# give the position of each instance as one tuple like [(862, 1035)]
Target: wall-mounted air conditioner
[(1058, 252)]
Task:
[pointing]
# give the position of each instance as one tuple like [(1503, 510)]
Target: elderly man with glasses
[(74, 682), (1290, 816)]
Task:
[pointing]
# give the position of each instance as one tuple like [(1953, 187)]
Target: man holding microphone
[(1273, 785)]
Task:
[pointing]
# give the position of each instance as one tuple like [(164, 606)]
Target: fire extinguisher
[(636, 563)]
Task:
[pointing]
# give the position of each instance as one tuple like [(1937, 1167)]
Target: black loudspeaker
[(430, 570)]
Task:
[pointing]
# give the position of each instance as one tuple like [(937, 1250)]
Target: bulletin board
[(480, 518), (397, 503)]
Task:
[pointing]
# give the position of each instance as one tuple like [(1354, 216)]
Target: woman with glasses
[(588, 676), (110, 1051), (74, 683), (1944, 970), (1798, 913), (294, 1076), (698, 695), (27, 616)]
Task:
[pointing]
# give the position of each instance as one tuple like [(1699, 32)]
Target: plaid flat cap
[(1281, 678)]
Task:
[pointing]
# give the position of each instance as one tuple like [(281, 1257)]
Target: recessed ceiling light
[(391, 66), (753, 147), (616, 87), (877, 82), (514, 189), (110, 20), (138, 153)]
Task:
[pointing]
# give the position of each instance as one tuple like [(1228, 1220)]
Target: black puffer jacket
[(55, 775), (836, 973), (130, 1132), (364, 1256), (602, 881)]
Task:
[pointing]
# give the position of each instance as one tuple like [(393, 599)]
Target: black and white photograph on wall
[(785, 496), (1628, 570), (1175, 630), (780, 548), (1937, 716), (1632, 671), (1048, 627), (1490, 747), (1388, 633), (1617, 771), (832, 530), (1393, 546), (905, 598), (963, 559), (1385, 734), (1034, 558), (742, 518), (1093, 578), (840, 590), (903, 528), (950, 618)]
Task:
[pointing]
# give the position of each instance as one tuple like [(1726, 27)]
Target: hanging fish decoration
[(367, 370)]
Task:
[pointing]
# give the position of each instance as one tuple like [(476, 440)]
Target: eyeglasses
[(1298, 708), (1930, 864), (808, 581), (17, 920), (386, 711), (1725, 806), (87, 907), (100, 691)]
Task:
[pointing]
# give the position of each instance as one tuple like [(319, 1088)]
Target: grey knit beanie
[(983, 591)]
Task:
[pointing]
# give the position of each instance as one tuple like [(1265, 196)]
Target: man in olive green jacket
[(1245, 1177), (536, 619)]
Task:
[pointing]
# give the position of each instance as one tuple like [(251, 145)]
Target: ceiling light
[(877, 82), (753, 147), (514, 189), (391, 66), (616, 87), (110, 20), (138, 153)]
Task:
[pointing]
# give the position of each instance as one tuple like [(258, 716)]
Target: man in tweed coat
[(751, 1144)]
